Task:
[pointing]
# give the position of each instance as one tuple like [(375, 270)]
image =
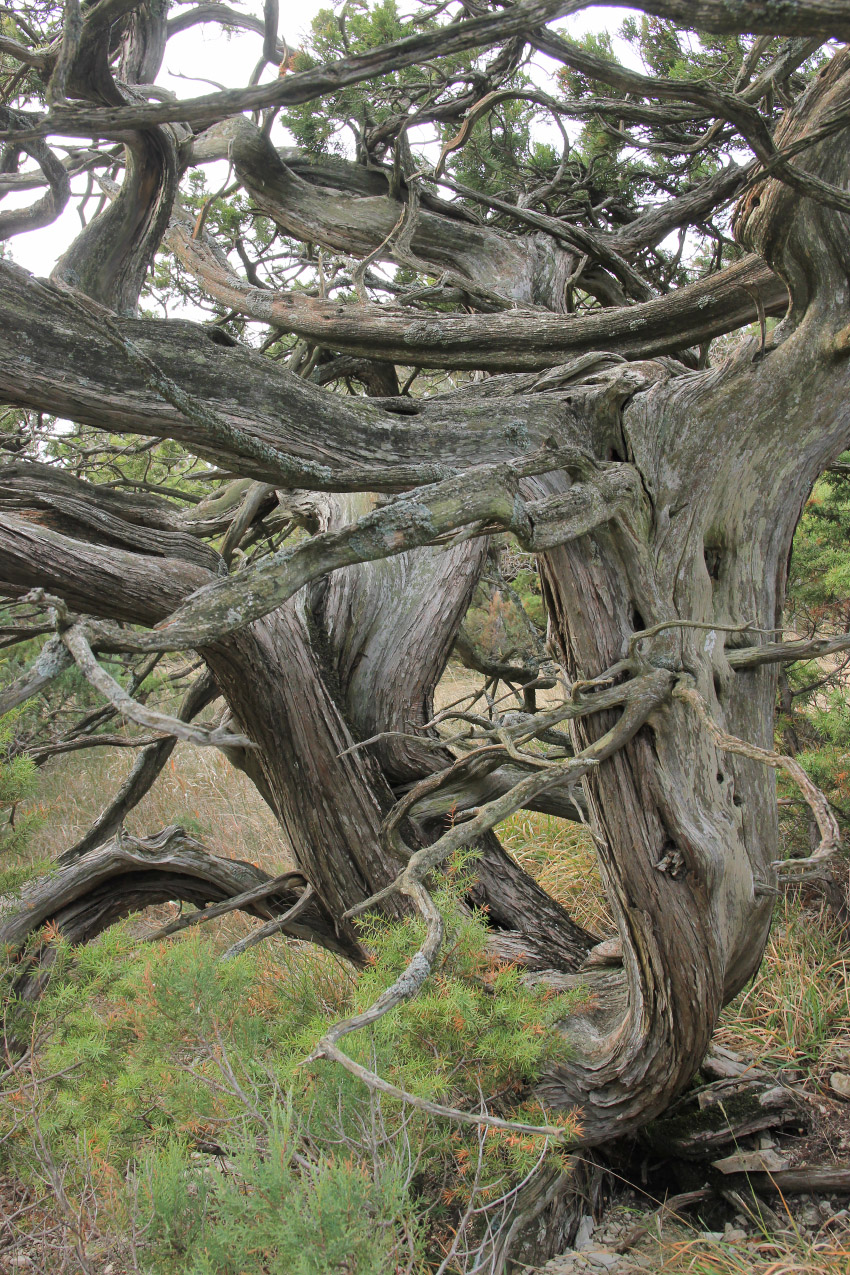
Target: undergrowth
[(795, 1014), (173, 1089)]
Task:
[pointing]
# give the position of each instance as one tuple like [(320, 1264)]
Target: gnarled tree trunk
[(661, 499)]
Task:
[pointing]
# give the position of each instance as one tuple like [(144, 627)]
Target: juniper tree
[(469, 301)]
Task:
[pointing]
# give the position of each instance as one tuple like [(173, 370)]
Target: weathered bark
[(676, 505), (502, 342), (388, 629), (693, 935), (110, 258), (329, 805)]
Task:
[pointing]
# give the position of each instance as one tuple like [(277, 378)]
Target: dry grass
[(796, 1012), (198, 789), (561, 856), (796, 1254)]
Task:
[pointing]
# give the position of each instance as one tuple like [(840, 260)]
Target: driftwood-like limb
[(786, 652), (75, 640), (502, 342), (405, 986), (47, 209), (487, 496), (306, 86), (804, 1180), (830, 833)]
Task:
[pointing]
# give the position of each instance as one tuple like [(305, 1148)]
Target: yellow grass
[(198, 789), (796, 1012)]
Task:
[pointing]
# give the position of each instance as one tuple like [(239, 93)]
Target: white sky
[(205, 51)]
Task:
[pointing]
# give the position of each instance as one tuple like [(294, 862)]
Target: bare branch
[(276, 926), (787, 652), (830, 841), (75, 640), (306, 86), (141, 778), (202, 916)]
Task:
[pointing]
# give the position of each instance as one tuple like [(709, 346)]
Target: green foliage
[(820, 568), (357, 30), (499, 145), (150, 1057), (815, 723), (261, 1215), (18, 783)]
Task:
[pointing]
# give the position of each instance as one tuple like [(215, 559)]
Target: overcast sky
[(205, 51)]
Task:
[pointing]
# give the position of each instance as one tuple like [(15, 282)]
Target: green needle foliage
[(18, 783), (814, 721), (184, 1078)]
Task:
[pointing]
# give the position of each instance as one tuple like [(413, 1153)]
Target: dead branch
[(830, 841), (75, 640)]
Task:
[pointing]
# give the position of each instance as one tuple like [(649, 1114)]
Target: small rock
[(599, 1257), (583, 1234), (775, 1097), (733, 1234), (839, 1082), (608, 952)]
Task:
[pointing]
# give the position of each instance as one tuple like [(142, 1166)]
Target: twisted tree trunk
[(662, 501)]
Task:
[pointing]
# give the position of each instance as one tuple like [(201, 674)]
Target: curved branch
[(92, 512), (45, 210), (483, 498), (748, 657), (512, 341), (830, 841), (128, 873), (226, 17)]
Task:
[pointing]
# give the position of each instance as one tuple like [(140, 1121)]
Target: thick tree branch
[(131, 873), (512, 341)]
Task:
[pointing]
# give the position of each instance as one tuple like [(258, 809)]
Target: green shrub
[(18, 783), (161, 1056)]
